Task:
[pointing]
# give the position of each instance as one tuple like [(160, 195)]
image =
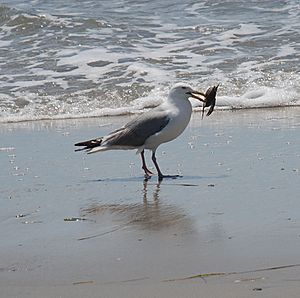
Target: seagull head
[(184, 91)]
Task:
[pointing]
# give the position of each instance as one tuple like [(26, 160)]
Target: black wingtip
[(85, 143), (80, 149), (88, 144)]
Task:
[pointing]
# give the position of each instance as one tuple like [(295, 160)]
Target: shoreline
[(196, 110)]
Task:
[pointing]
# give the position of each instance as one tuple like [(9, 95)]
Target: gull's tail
[(89, 145)]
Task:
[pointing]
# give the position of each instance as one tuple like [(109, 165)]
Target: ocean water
[(72, 58)]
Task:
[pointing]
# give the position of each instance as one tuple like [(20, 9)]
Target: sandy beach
[(77, 225)]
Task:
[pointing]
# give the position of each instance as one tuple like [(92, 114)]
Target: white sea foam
[(262, 97), (259, 98), (66, 60), (241, 32)]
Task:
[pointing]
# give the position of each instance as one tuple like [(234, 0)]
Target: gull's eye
[(183, 87)]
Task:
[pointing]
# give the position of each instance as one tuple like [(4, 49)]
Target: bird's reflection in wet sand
[(151, 214)]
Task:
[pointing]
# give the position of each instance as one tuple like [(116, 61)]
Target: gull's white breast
[(180, 115)]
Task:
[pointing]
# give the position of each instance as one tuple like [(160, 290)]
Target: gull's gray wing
[(136, 132)]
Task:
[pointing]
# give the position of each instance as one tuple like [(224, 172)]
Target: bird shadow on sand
[(149, 214)]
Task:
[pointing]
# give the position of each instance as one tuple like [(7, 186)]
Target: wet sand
[(74, 225)]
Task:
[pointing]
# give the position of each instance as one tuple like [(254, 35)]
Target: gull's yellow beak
[(198, 95)]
